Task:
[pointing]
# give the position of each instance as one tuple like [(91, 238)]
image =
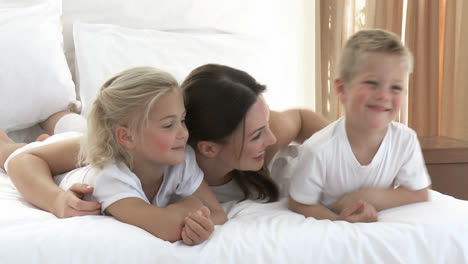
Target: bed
[(431, 232), (61, 69)]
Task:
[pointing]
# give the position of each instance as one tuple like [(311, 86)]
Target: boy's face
[(372, 99)]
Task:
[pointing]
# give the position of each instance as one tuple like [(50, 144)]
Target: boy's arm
[(163, 222), (31, 172), (382, 198), (316, 211), (292, 125), (358, 212)]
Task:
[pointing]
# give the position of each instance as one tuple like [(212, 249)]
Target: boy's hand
[(352, 198), (69, 203), (197, 226), (360, 211)]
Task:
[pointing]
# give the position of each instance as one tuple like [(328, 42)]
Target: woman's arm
[(163, 222), (31, 171), (292, 125)]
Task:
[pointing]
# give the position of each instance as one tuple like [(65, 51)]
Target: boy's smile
[(378, 108)]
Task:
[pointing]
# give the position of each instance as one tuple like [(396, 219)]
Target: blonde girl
[(137, 157)]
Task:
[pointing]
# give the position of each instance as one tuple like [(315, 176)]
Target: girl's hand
[(197, 226), (69, 203)]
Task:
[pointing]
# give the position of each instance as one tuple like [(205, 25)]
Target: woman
[(231, 129)]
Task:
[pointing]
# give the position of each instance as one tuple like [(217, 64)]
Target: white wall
[(287, 27)]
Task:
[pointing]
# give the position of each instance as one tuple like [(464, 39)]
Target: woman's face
[(245, 149)]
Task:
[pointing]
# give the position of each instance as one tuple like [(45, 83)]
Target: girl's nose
[(182, 132)]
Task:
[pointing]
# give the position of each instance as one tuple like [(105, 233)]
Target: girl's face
[(165, 134), (245, 149)]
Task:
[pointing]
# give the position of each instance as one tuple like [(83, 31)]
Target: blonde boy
[(364, 162)]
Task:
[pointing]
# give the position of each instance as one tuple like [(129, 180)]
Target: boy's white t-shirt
[(326, 168), (115, 181)]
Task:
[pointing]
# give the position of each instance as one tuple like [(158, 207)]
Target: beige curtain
[(330, 36), (454, 90), (422, 38), (387, 15), (437, 33)]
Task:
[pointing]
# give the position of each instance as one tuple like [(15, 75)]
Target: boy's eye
[(396, 89), (371, 83), (167, 126)]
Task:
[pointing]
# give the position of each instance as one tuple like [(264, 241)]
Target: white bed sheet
[(430, 232)]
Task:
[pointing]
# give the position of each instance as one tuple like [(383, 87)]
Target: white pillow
[(35, 81), (160, 14), (103, 50)]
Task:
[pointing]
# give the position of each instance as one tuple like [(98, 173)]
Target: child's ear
[(340, 88), (208, 149), (125, 137)]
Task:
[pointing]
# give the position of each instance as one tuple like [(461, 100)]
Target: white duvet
[(430, 232)]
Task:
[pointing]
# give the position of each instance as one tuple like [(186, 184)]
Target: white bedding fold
[(431, 232)]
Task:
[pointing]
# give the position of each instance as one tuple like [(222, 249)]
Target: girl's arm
[(382, 198), (200, 224), (191, 219), (31, 171), (292, 125), (163, 222), (206, 196)]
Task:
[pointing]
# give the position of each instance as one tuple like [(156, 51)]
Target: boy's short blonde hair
[(359, 45), (125, 100)]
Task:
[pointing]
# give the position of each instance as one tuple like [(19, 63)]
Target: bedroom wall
[(289, 28), (286, 27), (280, 24)]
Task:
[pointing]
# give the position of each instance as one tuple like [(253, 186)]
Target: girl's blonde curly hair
[(124, 100)]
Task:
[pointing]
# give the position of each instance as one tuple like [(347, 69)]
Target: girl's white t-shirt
[(115, 181)]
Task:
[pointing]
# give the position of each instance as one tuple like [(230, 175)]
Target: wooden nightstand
[(447, 162)]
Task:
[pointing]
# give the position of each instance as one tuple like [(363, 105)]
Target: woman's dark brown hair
[(217, 99)]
